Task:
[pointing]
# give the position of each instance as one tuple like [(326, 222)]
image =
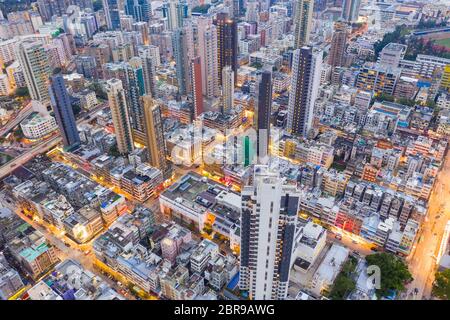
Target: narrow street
[(422, 262)]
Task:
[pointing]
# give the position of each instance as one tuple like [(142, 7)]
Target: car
[(374, 249), (354, 241), (67, 245), (338, 236)]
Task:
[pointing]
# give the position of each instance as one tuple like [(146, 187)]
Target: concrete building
[(392, 54), (10, 281), (227, 89), (33, 253), (336, 56), (155, 141), (303, 22), (207, 50), (227, 44), (121, 120), (305, 82), (328, 270), (64, 115), (311, 242), (36, 69), (268, 223)]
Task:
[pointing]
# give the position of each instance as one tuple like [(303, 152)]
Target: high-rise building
[(238, 8), (336, 56), (142, 28), (50, 8), (135, 90), (155, 142), (36, 68), (86, 66), (150, 59), (207, 50), (227, 89), (112, 13), (83, 4), (227, 44), (175, 11), (138, 9), (306, 70), (180, 43), (62, 107), (303, 19), (118, 104), (263, 110), (197, 96), (350, 10), (268, 224)]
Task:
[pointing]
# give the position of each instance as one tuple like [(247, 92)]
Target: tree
[(398, 36), (207, 229), (441, 286), (22, 92), (394, 272), (406, 102), (18, 132), (384, 97), (256, 65), (430, 23), (344, 283), (114, 151), (431, 104), (99, 90)]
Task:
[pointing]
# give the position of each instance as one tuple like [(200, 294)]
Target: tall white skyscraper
[(207, 50), (121, 120), (306, 71), (303, 20), (227, 88), (36, 69), (268, 224)]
